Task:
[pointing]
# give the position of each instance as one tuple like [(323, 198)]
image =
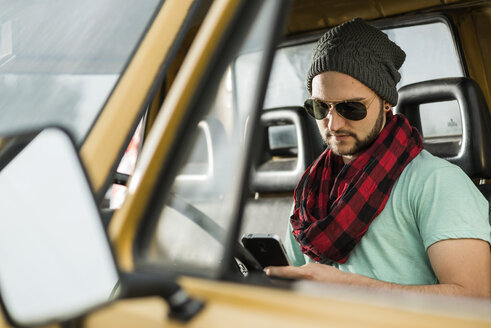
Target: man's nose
[(336, 121)]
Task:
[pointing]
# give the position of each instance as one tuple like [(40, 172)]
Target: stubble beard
[(360, 144)]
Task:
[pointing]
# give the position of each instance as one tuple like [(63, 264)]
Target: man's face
[(344, 137)]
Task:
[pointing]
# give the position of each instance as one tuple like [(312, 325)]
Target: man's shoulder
[(426, 173), (426, 164)]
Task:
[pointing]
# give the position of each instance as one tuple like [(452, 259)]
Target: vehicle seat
[(290, 143), (486, 191), (472, 151)]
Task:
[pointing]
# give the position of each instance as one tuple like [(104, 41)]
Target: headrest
[(474, 155), (280, 167), (205, 160)]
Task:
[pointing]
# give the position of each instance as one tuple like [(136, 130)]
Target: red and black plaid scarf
[(335, 203)]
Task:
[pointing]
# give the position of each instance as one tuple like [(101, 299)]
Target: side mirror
[(55, 258)]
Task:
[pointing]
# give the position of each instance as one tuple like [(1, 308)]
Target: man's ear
[(387, 106)]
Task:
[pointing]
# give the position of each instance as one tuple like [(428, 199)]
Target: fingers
[(289, 272)]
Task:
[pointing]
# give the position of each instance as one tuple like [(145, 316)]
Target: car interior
[(447, 107), (276, 173)]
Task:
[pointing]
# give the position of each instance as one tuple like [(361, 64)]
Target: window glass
[(282, 137), (431, 54), (447, 125), (192, 225), (59, 60), (280, 149)]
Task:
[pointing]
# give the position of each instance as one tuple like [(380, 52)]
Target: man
[(376, 209)]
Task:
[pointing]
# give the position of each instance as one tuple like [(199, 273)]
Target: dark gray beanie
[(363, 52)]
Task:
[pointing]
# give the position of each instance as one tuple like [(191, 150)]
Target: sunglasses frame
[(352, 110)]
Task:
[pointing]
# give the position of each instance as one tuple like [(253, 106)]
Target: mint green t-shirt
[(432, 200)]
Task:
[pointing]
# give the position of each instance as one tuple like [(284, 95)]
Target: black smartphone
[(266, 248)]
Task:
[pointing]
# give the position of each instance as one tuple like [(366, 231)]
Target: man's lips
[(339, 136)]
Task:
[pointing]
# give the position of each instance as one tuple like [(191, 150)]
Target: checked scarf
[(335, 203)]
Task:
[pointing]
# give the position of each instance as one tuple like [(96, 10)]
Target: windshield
[(189, 230), (59, 60)]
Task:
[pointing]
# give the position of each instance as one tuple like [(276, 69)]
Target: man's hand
[(462, 266), (310, 271)]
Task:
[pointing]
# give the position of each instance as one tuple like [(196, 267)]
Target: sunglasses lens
[(354, 111), (351, 110), (316, 109)]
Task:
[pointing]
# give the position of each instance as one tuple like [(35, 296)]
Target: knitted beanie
[(362, 51)]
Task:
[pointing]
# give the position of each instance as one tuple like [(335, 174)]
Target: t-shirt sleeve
[(449, 206), (292, 248)]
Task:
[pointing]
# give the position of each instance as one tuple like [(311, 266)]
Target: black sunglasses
[(351, 110)]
